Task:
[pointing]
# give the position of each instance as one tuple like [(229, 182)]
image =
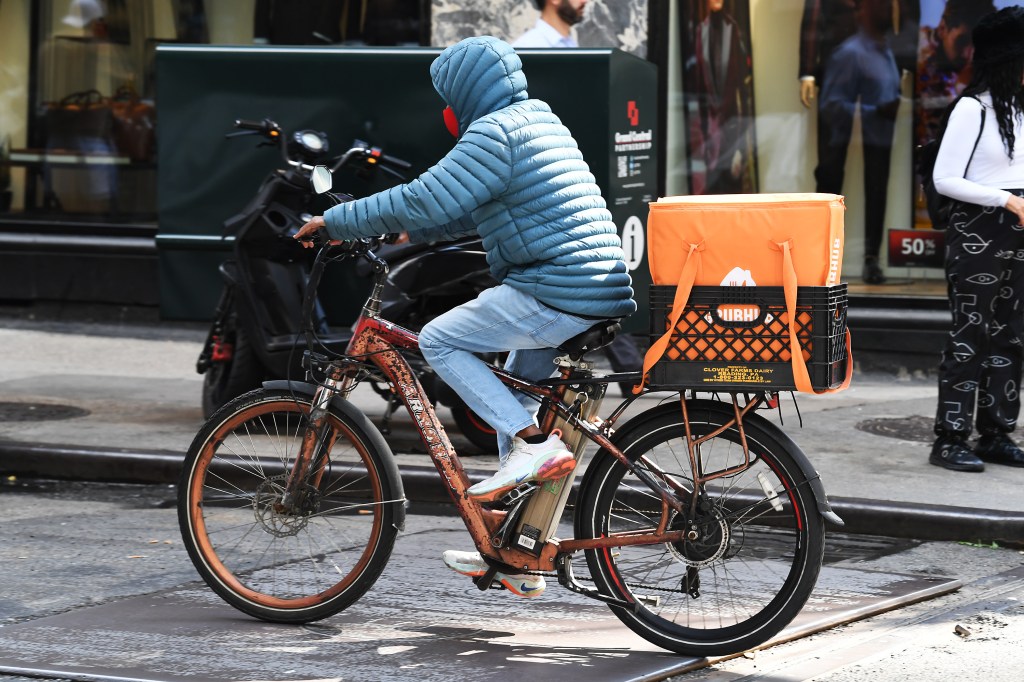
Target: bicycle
[(701, 522)]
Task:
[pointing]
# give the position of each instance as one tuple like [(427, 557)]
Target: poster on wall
[(594, 23), (943, 70), (718, 96)]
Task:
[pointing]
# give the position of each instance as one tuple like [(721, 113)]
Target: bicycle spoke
[(296, 551), (743, 545)]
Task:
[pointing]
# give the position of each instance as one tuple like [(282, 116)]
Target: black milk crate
[(737, 338)]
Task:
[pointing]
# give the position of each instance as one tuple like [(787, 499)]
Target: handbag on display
[(749, 323), (78, 121), (134, 125)]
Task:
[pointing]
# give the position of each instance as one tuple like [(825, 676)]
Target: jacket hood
[(478, 76)]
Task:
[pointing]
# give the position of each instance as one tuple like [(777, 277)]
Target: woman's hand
[(1015, 204), (306, 232)]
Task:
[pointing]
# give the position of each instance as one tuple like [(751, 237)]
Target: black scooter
[(255, 333)]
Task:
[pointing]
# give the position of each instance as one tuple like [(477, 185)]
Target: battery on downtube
[(543, 511)]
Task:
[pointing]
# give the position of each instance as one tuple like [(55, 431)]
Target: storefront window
[(79, 113)]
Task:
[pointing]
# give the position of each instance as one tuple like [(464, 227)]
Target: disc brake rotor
[(275, 519)]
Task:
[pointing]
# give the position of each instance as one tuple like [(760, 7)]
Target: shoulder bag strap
[(977, 139)]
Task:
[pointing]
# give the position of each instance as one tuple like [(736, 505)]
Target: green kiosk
[(606, 97)]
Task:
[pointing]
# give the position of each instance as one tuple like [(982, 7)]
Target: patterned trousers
[(981, 361)]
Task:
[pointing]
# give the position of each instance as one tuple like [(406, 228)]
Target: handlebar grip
[(249, 125), (395, 161)]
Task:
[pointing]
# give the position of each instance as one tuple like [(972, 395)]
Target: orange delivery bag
[(782, 244)]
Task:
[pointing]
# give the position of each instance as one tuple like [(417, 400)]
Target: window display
[(943, 70), (78, 141), (719, 96), (852, 51)]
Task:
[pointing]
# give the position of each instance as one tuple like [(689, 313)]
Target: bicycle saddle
[(598, 336)]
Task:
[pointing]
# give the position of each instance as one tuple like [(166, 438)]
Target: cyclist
[(517, 178)]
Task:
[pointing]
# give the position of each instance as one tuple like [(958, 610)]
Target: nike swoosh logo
[(522, 478), (524, 588)]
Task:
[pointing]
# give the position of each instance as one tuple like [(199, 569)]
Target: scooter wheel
[(225, 380), (476, 430)]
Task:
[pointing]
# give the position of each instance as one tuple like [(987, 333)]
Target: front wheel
[(757, 540), (296, 562)]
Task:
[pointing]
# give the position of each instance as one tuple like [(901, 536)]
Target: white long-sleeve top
[(991, 172)]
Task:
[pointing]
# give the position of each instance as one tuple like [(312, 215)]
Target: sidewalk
[(136, 394)]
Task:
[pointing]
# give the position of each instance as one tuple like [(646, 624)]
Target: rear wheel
[(757, 544), (297, 562)]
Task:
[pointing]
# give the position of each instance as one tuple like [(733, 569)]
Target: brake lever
[(391, 172), (239, 133)]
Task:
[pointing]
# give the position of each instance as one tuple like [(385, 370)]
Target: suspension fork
[(309, 462)]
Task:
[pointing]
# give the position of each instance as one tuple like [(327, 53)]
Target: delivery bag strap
[(801, 377), (687, 277)]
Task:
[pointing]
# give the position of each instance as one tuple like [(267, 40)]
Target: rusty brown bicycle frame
[(378, 341)]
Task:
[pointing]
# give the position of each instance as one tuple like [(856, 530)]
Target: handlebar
[(373, 156), (254, 125), (359, 248), (395, 161)]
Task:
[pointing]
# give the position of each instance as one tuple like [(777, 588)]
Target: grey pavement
[(121, 402)]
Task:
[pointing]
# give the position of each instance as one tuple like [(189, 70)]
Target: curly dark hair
[(1003, 81)]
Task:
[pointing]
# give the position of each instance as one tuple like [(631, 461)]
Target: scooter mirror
[(323, 181)]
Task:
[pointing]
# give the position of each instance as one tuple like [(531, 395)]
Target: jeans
[(500, 319)]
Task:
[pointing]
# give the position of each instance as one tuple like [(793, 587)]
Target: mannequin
[(722, 83), (850, 49)]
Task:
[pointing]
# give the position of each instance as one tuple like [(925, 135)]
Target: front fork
[(317, 440)]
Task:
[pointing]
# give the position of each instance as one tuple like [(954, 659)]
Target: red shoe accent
[(556, 468)]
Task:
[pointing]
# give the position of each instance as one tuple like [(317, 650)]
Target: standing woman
[(982, 359)]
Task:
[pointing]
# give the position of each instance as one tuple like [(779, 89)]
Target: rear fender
[(807, 470)]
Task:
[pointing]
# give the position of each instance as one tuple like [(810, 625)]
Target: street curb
[(423, 485)]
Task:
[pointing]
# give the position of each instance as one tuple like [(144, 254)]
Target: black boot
[(951, 452), (872, 272), (999, 449)]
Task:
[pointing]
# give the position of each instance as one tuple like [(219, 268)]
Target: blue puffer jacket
[(517, 177)]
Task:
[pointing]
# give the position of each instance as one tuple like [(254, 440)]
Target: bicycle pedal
[(517, 494), (490, 578)]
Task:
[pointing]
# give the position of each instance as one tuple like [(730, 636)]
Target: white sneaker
[(473, 565), (526, 462)]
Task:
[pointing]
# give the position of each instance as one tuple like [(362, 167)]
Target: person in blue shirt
[(862, 71), (554, 26), (515, 177)]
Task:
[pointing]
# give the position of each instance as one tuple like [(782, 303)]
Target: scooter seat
[(598, 336), (336, 341)]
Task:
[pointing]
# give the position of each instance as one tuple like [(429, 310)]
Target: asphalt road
[(69, 546)]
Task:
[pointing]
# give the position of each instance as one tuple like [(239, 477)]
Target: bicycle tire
[(280, 567), (761, 544)]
